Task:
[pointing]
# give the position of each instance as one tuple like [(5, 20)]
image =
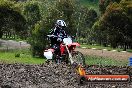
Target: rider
[(58, 31)]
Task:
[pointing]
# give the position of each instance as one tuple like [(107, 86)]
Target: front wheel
[(78, 58)]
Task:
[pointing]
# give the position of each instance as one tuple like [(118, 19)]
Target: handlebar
[(51, 35), (56, 36)]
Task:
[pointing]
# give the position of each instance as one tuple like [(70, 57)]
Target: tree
[(87, 19), (61, 9), (116, 22), (104, 3), (32, 14), (11, 18), (67, 9), (38, 40)]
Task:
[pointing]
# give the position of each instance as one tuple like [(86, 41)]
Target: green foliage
[(36, 17), (31, 12), (11, 18), (92, 4), (104, 3), (17, 55), (87, 19), (60, 10), (38, 40), (67, 10), (115, 24)]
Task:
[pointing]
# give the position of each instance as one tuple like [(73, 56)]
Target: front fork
[(70, 56)]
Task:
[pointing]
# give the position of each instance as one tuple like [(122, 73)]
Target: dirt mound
[(47, 76)]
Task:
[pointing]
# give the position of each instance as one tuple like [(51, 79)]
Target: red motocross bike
[(67, 52)]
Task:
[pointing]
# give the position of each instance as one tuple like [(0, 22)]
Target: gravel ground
[(52, 76)]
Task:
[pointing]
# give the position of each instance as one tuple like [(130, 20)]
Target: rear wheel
[(78, 58)]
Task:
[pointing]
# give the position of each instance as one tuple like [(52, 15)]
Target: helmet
[(60, 24)]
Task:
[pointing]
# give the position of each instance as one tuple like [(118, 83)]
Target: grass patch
[(129, 50), (96, 46), (9, 57), (99, 47), (96, 60), (25, 58)]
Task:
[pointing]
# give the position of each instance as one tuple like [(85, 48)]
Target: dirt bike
[(67, 52)]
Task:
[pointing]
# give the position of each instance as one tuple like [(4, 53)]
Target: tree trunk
[(6, 34), (125, 47), (1, 34)]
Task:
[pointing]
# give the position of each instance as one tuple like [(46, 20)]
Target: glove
[(59, 39)]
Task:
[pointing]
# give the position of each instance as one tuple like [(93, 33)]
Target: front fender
[(48, 53), (52, 50), (75, 44)]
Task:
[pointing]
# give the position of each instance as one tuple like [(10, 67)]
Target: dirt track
[(104, 53)]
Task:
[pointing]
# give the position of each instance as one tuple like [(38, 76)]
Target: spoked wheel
[(78, 58)]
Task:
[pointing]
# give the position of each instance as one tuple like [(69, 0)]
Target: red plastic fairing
[(52, 50), (62, 48), (75, 43)]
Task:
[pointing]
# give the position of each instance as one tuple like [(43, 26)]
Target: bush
[(17, 54), (38, 40)]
